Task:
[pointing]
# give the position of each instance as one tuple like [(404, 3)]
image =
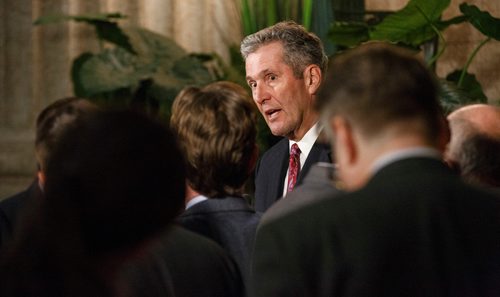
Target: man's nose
[(261, 93)]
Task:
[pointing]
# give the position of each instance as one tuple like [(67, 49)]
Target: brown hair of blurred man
[(52, 121), (50, 124), (395, 107), (216, 131), (474, 148), (216, 128)]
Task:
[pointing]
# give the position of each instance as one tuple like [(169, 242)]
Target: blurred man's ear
[(41, 178), (444, 136), (345, 148)]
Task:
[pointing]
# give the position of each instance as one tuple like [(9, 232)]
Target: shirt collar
[(196, 200), (306, 143)]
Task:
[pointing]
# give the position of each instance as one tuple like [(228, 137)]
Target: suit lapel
[(318, 153), (282, 167)]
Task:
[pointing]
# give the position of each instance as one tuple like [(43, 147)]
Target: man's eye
[(252, 84), (272, 77)]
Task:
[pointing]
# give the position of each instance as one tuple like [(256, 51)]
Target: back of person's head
[(52, 121), (300, 48), (378, 87), (114, 179), (474, 148), (216, 129)]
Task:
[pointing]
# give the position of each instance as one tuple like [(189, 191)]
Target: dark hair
[(117, 176), (216, 129), (300, 48), (376, 85), (478, 158), (53, 119)]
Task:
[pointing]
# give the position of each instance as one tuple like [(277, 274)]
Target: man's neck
[(306, 125)]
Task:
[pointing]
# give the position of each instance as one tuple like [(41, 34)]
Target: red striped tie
[(293, 166)]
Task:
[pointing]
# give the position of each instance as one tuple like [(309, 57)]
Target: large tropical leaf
[(151, 46), (452, 97), (470, 85), (349, 33), (158, 71), (482, 20), (89, 18), (106, 28), (107, 71), (411, 25)]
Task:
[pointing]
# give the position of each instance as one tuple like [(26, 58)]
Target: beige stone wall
[(461, 41), (35, 62)]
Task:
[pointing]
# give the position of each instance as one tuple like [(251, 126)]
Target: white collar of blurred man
[(358, 159)]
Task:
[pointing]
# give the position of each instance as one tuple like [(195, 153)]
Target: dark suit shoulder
[(412, 213), (10, 209), (192, 264)]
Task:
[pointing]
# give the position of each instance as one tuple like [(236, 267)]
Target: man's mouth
[(272, 113)]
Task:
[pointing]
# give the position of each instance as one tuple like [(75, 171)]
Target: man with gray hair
[(474, 147), (285, 66)]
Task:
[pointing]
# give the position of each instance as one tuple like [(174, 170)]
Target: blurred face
[(285, 102)]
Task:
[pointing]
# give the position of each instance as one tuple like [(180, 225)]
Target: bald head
[(482, 118), (475, 143)]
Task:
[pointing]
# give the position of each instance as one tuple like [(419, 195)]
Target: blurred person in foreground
[(474, 147), (408, 225), (216, 130), (113, 182), (50, 124)]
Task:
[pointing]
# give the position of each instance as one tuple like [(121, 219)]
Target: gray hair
[(300, 48)]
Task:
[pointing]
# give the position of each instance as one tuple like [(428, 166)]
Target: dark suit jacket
[(184, 264), (271, 170), (230, 222), (11, 207), (414, 230)]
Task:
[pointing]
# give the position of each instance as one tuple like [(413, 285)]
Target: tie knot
[(295, 150)]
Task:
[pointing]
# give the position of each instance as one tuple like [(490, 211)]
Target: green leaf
[(151, 46), (78, 88), (349, 34), (108, 71), (106, 28), (482, 20), (248, 18), (89, 18), (470, 85), (452, 97), (307, 13), (110, 32), (412, 25), (441, 25)]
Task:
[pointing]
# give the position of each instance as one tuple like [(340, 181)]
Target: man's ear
[(41, 178), (312, 78), (444, 136), (345, 144)]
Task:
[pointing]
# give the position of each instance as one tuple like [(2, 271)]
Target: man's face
[(284, 101)]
